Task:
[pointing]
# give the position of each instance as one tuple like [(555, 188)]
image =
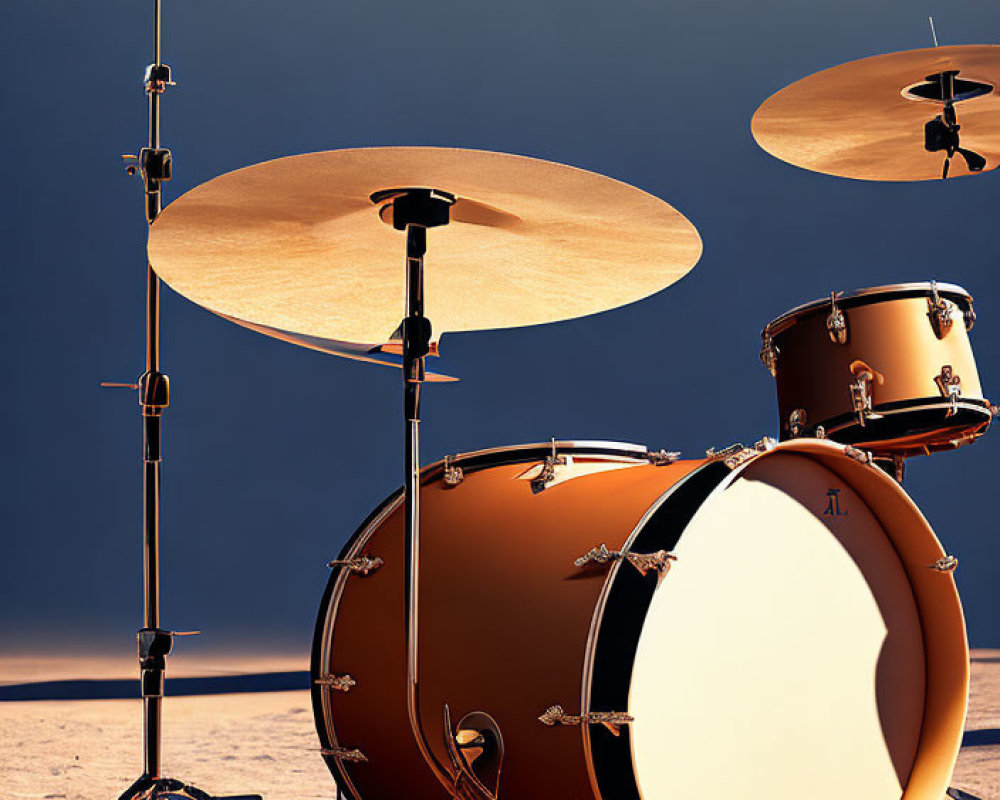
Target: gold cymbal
[(865, 119), (356, 352), (294, 248)]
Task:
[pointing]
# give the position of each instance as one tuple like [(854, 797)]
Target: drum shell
[(889, 330), (479, 540), (509, 626)]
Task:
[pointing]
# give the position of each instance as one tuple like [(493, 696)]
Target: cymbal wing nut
[(157, 163)]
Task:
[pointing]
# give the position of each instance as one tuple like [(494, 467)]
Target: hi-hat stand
[(154, 164)]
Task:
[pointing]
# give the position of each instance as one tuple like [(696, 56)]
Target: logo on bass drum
[(833, 508)]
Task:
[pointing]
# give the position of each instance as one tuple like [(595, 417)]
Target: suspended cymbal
[(867, 119), (296, 249)]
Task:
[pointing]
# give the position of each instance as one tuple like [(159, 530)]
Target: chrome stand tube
[(416, 340)]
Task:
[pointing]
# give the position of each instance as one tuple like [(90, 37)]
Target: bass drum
[(807, 641)]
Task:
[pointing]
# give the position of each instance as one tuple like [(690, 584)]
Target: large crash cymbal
[(866, 119), (296, 249)]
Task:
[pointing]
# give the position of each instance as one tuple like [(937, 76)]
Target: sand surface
[(266, 742)]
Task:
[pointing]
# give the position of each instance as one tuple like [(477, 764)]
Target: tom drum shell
[(889, 368)]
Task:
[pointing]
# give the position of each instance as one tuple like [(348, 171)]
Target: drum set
[(584, 619)]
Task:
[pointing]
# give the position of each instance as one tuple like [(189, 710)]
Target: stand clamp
[(154, 645)]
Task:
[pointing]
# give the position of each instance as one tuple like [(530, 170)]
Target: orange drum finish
[(505, 618), (889, 368), (799, 628)]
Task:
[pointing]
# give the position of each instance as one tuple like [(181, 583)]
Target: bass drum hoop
[(935, 595)]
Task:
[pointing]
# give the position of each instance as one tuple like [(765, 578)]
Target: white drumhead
[(782, 656)]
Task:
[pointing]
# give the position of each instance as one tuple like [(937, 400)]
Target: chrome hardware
[(736, 455), (598, 555), (861, 401), (362, 565), (644, 562), (453, 475), (720, 455), (899, 468), (969, 315), (662, 458), (950, 386), (157, 78), (131, 164), (893, 465), (820, 432), (111, 385), (862, 394), (339, 683), (769, 353), (994, 410), (548, 473), (351, 754), (647, 562), (861, 456), (476, 751), (555, 715), (939, 313), (946, 564), (797, 421), (836, 322)]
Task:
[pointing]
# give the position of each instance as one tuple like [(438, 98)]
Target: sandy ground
[(264, 742), (978, 768)]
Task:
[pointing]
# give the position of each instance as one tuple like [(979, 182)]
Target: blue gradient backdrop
[(274, 454)]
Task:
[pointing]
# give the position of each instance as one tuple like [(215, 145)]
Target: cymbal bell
[(295, 248), (885, 118)]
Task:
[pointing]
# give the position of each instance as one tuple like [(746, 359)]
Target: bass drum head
[(785, 654)]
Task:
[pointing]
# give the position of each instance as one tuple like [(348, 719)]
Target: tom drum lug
[(969, 315), (836, 322), (862, 393), (769, 353), (950, 386), (797, 422), (939, 313)]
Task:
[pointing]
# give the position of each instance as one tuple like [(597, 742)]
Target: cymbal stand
[(155, 165), (414, 211)]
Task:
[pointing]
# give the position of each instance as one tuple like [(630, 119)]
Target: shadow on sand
[(175, 687), (981, 738)]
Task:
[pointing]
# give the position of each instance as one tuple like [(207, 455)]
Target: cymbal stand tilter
[(414, 211), (154, 163), (941, 133)]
